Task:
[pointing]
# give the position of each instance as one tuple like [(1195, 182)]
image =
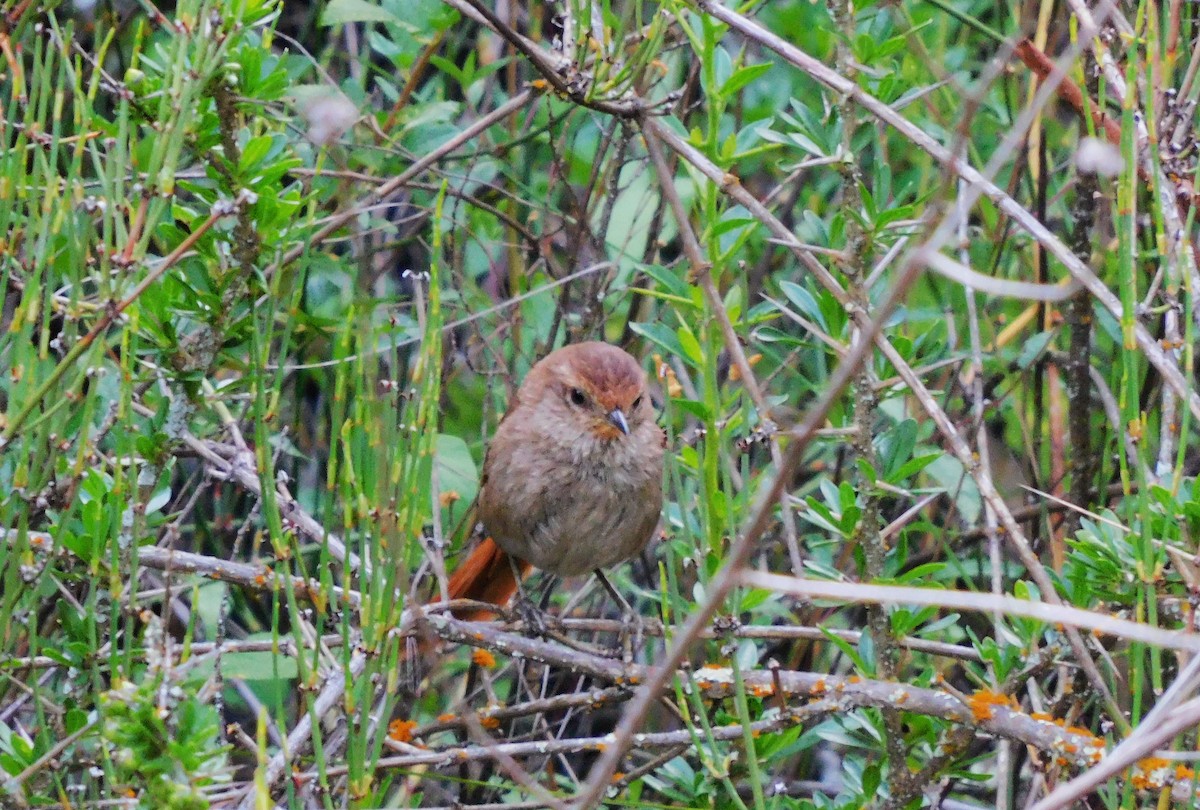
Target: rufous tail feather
[(486, 575)]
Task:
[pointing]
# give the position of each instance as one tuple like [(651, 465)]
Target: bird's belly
[(589, 533), (597, 521)]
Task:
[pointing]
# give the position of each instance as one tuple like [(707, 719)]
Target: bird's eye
[(578, 397), (636, 403)]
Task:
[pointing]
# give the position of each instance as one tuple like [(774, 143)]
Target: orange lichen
[(1151, 773), (818, 688), (483, 658), (448, 717), (762, 690), (735, 372), (1045, 718), (983, 703), (401, 730), (449, 497), (489, 722), (854, 679), (667, 375)]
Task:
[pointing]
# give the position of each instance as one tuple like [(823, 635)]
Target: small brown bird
[(572, 480)]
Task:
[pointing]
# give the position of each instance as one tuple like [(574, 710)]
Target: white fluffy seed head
[(1099, 157), (328, 115)]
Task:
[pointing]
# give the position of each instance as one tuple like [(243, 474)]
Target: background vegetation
[(915, 281)]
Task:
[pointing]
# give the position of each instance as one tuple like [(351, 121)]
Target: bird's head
[(591, 388)]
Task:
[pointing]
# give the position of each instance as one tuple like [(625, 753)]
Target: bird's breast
[(575, 506)]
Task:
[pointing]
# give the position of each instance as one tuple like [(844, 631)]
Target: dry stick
[(246, 575), (1040, 64), (975, 601), (1154, 353), (197, 651), (1078, 316), (590, 699), (702, 269), (850, 691), (553, 67), (782, 633), (507, 763), (867, 535), (982, 476), (474, 753), (760, 516)]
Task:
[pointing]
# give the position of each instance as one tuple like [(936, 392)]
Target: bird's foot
[(538, 622), (632, 635)]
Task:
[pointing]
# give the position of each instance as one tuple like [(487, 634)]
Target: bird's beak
[(617, 417)]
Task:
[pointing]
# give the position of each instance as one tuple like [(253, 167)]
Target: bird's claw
[(535, 620), (632, 635)]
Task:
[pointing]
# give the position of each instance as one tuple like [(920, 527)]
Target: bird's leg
[(633, 630), (532, 616)]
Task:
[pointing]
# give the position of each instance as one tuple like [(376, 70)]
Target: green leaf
[(912, 467), (847, 649), (1032, 349), (804, 302), (690, 347), (742, 77), (253, 152), (949, 474), (74, 720), (340, 12), (456, 469), (660, 335)]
